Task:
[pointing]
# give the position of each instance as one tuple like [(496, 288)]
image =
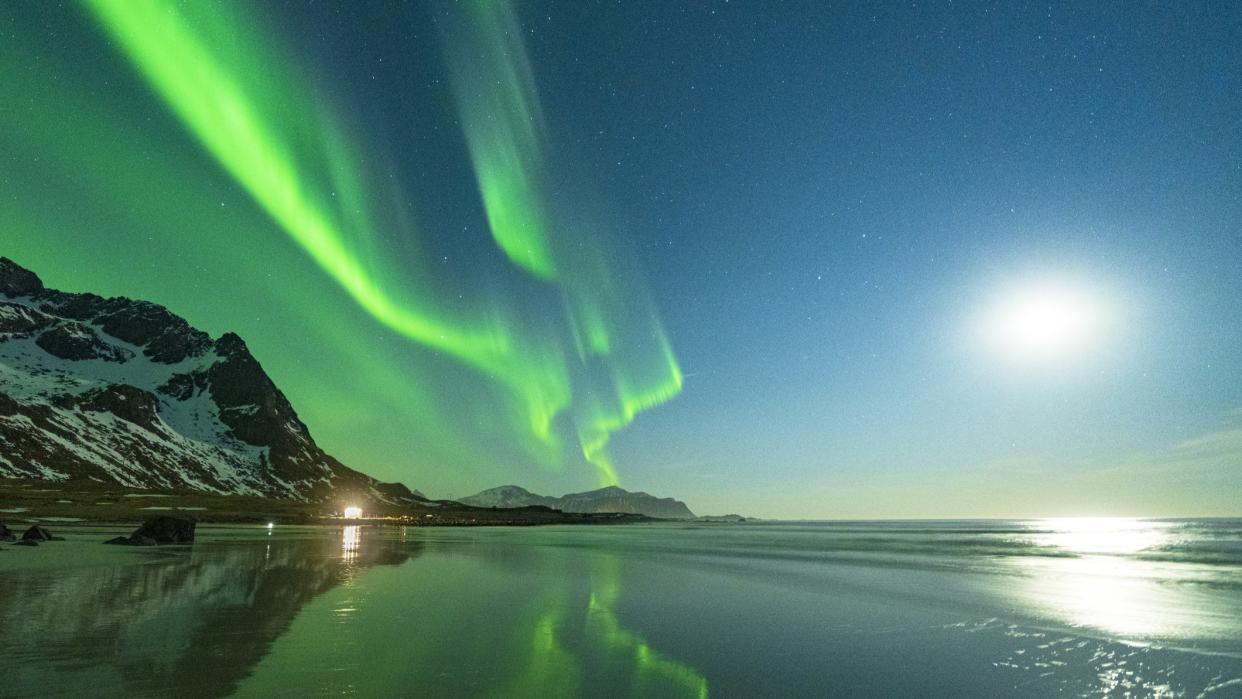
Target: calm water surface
[(963, 609)]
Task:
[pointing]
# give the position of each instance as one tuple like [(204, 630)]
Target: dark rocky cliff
[(113, 389)]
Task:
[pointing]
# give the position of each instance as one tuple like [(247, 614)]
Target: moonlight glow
[(1044, 322)]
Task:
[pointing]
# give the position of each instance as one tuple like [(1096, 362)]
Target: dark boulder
[(6, 534), (167, 530), (37, 533), (159, 530), (27, 542)]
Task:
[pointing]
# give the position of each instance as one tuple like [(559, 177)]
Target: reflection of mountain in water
[(192, 623), (331, 615)]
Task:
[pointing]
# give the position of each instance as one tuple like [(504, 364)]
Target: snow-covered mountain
[(124, 391), (610, 499), (508, 496)]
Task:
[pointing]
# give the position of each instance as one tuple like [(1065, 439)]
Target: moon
[(1043, 322)]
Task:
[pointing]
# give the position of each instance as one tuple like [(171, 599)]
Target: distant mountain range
[(610, 499), (124, 391)]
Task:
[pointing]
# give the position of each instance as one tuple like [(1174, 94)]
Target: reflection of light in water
[(351, 536), (1098, 582), (1112, 594), (1107, 535)]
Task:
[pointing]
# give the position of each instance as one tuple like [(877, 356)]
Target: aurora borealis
[(695, 250), (583, 345), (201, 66)]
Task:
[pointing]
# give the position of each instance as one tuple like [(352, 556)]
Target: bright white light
[(270, 525), (1104, 582), (1103, 535), (351, 537), (1042, 322), (353, 512)]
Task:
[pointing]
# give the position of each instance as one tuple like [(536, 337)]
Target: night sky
[(786, 259)]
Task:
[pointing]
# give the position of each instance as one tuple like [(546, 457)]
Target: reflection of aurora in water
[(655, 673), (582, 344), (556, 667), (476, 620)]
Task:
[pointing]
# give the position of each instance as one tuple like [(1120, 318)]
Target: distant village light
[(353, 512)]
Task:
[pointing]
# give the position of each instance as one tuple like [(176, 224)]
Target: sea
[(979, 608)]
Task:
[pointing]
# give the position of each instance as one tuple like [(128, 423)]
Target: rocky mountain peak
[(163, 336), (231, 344), (16, 280), (125, 390)]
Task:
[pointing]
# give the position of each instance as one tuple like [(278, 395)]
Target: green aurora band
[(555, 664), (593, 350), (496, 98)]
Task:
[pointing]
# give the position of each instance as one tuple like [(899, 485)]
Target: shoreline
[(61, 503)]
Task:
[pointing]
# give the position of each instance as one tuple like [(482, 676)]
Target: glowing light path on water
[(595, 351)]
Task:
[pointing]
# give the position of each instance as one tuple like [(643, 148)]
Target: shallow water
[(996, 608)]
